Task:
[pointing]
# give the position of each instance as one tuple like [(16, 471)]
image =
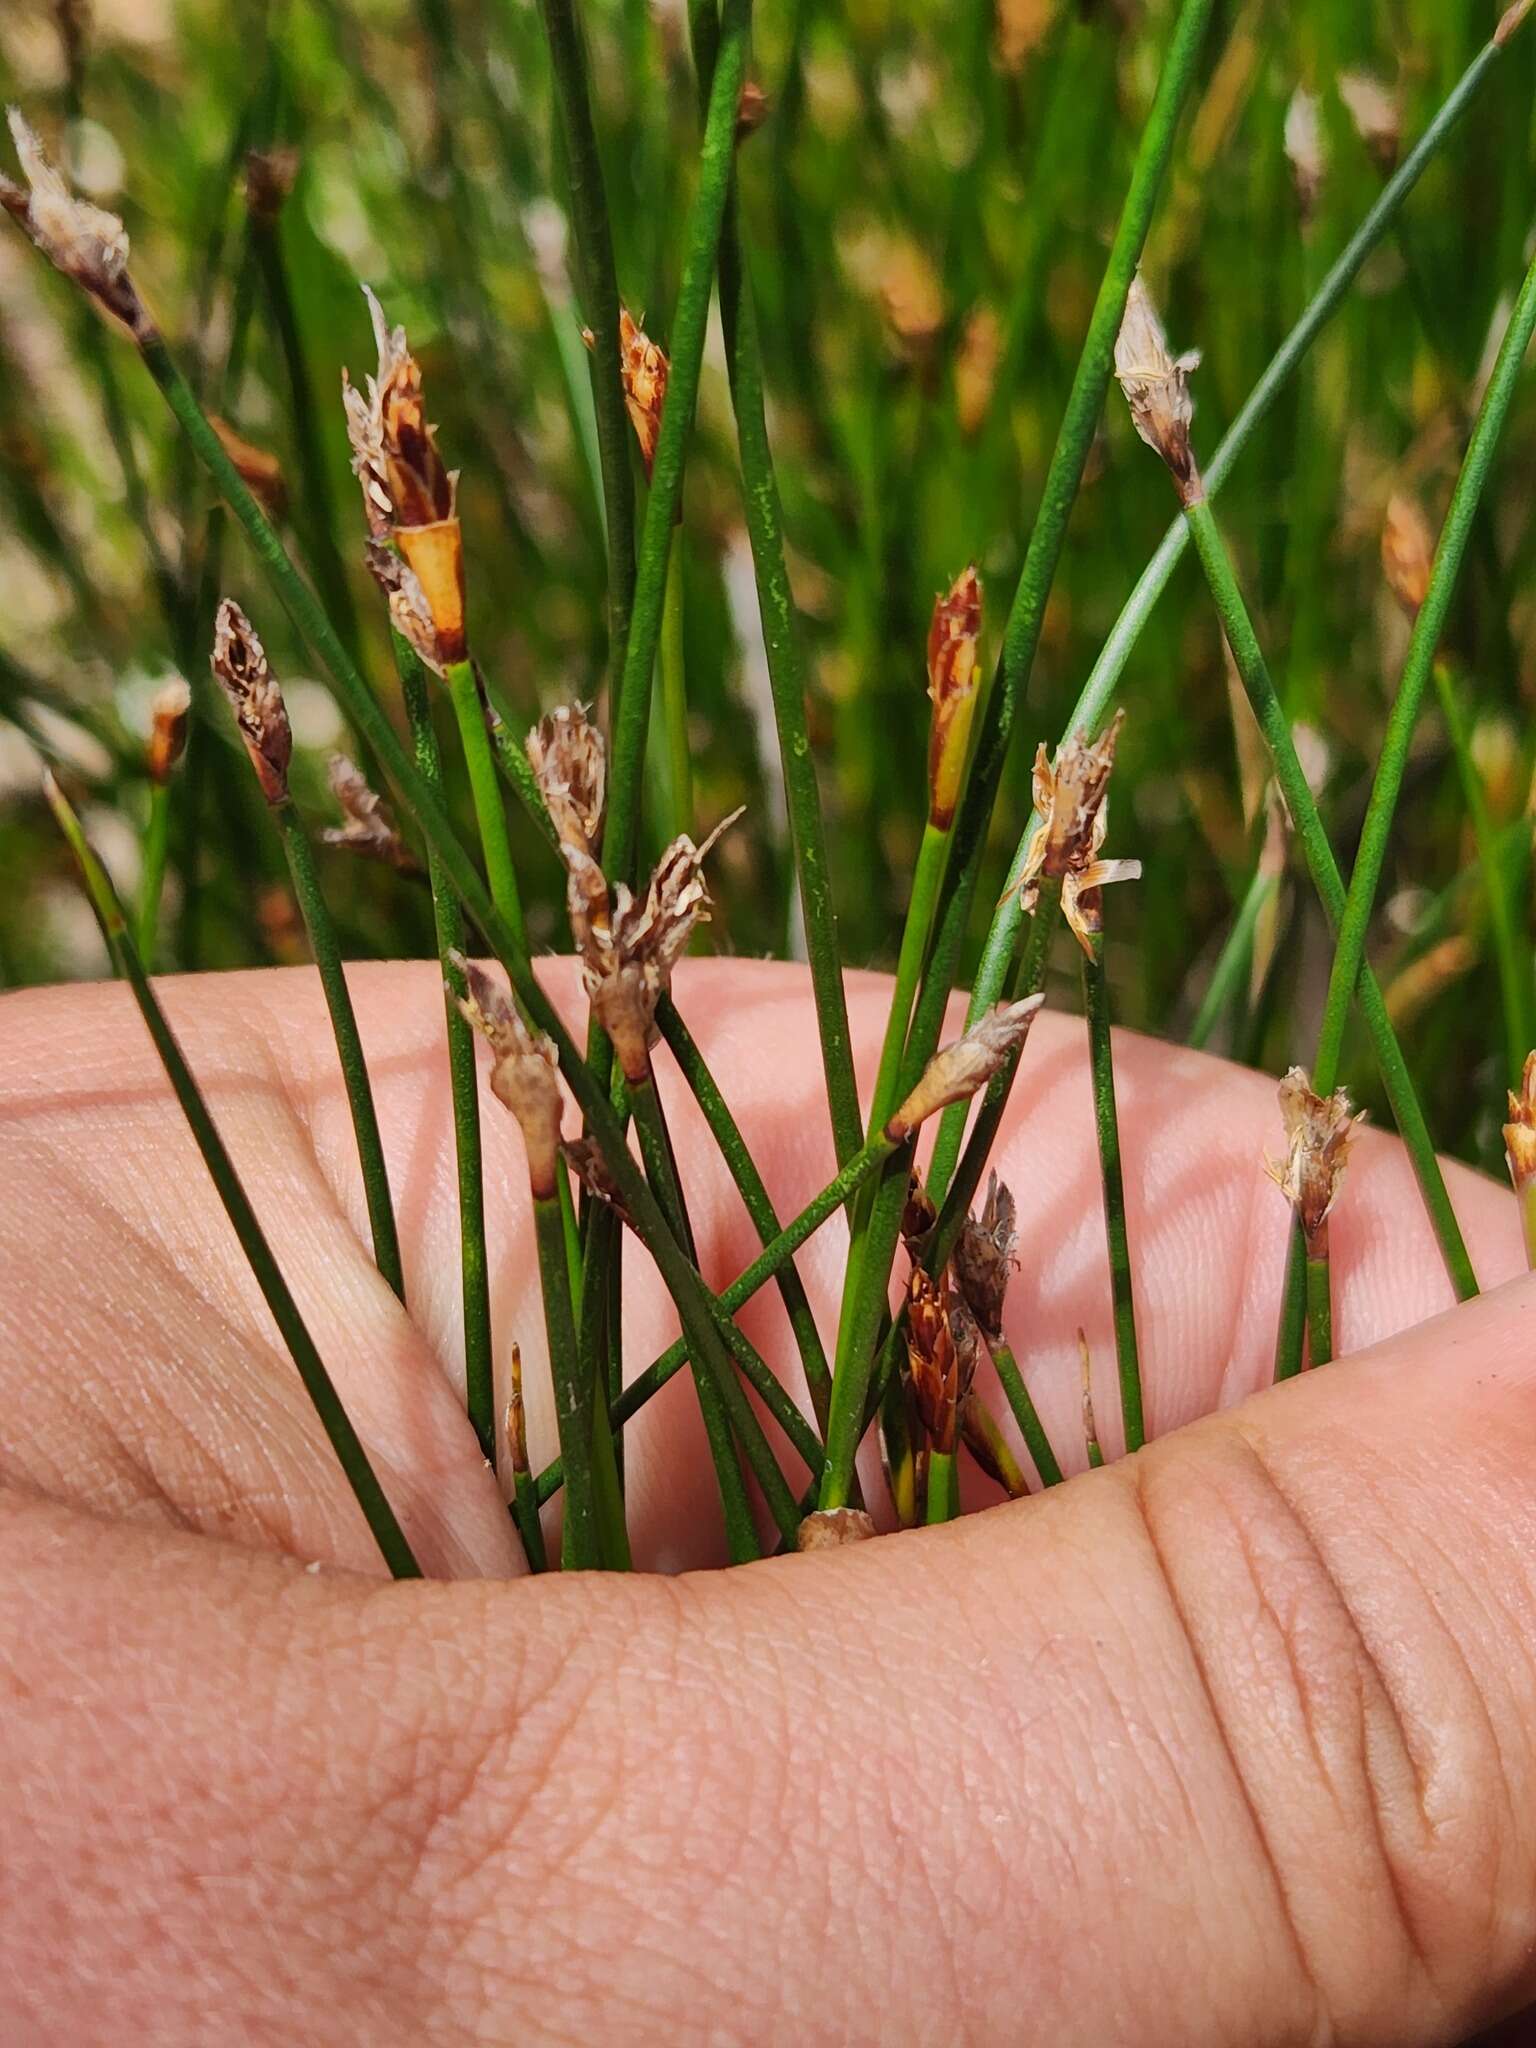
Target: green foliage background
[(907, 178)]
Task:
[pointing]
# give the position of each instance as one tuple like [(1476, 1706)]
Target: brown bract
[(168, 716), (570, 764), (1156, 387), (953, 678), (239, 662), (86, 242), (1072, 800), (643, 370), (940, 1363), (525, 1070), (1319, 1130), (956, 1071), (1407, 552), (260, 470), (986, 1256), (367, 827), (1520, 1131), (629, 945)]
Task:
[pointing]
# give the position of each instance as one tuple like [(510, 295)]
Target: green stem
[(845, 1183), (1516, 987), (783, 642), (318, 1384), (754, 1194), (1329, 884), (463, 1086), (485, 789), (1319, 1308), (1097, 694), (980, 1429), (326, 948), (1106, 1119), (1293, 1306), (943, 1503), (573, 1408), (1232, 963), (674, 701), (157, 833), (1354, 925), (1025, 1413)]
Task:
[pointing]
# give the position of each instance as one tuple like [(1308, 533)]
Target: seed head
[(1072, 800), (240, 663), (569, 761), (1510, 21), (367, 827), (987, 1255), (1156, 387), (409, 497), (831, 1528), (953, 678), (84, 241), (629, 946), (1407, 552), (956, 1071), (168, 715), (936, 1361), (644, 368), (524, 1070), (1520, 1131), (1319, 1130)]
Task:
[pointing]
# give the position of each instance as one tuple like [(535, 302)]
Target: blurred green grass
[(926, 210)]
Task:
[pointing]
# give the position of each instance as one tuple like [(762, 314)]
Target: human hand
[(1233, 1743)]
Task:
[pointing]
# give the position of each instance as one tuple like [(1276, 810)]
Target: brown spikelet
[(1319, 1130), (752, 109), (977, 362), (987, 1255), (941, 1359), (270, 175), (953, 679), (569, 760), (239, 662), (1072, 800), (1407, 552), (168, 716), (367, 827), (524, 1070), (956, 1071), (85, 242), (1156, 387)]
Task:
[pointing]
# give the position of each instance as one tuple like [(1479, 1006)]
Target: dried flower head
[(168, 714), (524, 1070), (644, 367), (1520, 1131), (409, 496), (918, 1215), (956, 1071), (1156, 387), (1319, 1130), (630, 945), (591, 1169), (936, 1362), (270, 175), (987, 1254), (1407, 552), (87, 243), (831, 1528), (239, 662), (260, 470), (1072, 800), (953, 679), (367, 827), (569, 762)]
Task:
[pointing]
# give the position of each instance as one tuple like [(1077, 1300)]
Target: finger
[(1232, 1742)]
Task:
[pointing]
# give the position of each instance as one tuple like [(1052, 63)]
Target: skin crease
[(1230, 1743)]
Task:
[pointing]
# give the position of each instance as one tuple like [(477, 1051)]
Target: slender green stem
[(1025, 1413), (573, 1408), (1319, 1308), (898, 1450), (1329, 884), (1354, 925), (845, 1183), (991, 1449), (326, 948), (1107, 1121), (927, 878), (860, 1336), (660, 1166), (1512, 953), (1293, 1307), (463, 1086), (1232, 963), (943, 1502), (318, 1384), (674, 701), (598, 289), (754, 1194), (782, 640), (1097, 694), (485, 789), (157, 835)]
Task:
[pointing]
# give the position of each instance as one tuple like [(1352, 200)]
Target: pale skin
[(1231, 1743)]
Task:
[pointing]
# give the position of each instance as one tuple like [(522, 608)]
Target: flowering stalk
[(240, 665), (167, 743), (318, 1384)]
